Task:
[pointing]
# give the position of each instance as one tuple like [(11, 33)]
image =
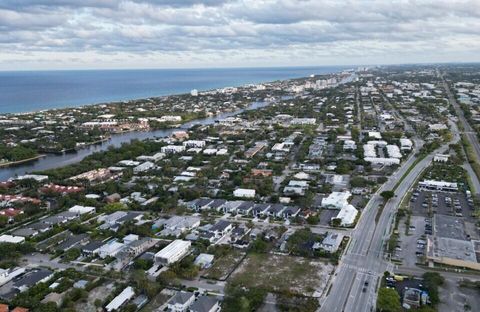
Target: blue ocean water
[(25, 91)]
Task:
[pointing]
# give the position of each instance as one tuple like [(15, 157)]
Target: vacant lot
[(278, 273), (222, 267)]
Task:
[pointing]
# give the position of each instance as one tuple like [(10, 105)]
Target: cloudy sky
[(69, 34)]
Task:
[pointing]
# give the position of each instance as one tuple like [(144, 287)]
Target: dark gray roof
[(130, 216), (204, 304), (39, 226), (33, 277), (71, 241), (220, 226), (93, 245), (181, 297), (245, 206), (217, 203), (25, 232)]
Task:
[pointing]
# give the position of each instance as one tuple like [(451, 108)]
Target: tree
[(336, 222), (388, 300), (387, 195), (432, 280)]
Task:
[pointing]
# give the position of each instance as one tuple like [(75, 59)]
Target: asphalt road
[(364, 259), (468, 130)]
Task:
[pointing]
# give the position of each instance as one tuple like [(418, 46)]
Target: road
[(469, 132), (467, 166), (364, 259)]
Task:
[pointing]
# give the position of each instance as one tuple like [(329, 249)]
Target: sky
[(110, 34)]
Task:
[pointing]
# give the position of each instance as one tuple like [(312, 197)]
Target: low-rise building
[(175, 251), (117, 302), (244, 193)]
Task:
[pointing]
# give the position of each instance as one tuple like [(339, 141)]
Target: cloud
[(235, 32)]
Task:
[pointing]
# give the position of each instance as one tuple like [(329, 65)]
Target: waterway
[(51, 161)]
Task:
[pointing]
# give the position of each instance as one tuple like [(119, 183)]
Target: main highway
[(469, 132), (365, 260)]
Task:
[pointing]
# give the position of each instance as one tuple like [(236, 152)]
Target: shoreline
[(19, 162), (333, 69)]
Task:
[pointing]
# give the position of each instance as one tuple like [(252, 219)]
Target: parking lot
[(425, 203), (411, 247)]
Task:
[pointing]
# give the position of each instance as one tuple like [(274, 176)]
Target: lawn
[(222, 267), (280, 273)]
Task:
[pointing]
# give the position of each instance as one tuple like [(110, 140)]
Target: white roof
[(347, 214), (336, 200), (5, 238), (243, 192), (393, 151), (119, 300), (172, 248), (81, 209), (405, 142)]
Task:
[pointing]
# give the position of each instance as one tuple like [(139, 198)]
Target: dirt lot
[(224, 266), (100, 293), (280, 272)]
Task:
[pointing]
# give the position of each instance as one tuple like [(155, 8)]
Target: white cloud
[(175, 33)]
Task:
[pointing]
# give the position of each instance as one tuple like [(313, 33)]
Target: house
[(173, 149), (245, 208), (260, 209), (92, 248), (290, 212), (244, 193), (406, 144), (5, 238), (126, 295), (82, 209), (205, 304), (221, 228), (176, 225), (110, 249), (347, 215), (336, 200), (181, 301), (204, 260), (275, 210), (32, 278), (7, 275), (331, 242), (143, 167)]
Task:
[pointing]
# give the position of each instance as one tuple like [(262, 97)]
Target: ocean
[(26, 91)]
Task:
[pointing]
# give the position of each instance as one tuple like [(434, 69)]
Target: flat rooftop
[(453, 249), (449, 227)]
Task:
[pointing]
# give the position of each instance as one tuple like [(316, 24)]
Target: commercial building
[(433, 185), (173, 252)]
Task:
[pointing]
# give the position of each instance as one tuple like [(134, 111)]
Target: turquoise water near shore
[(25, 91)]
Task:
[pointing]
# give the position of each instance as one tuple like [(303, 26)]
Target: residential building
[(173, 252)]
